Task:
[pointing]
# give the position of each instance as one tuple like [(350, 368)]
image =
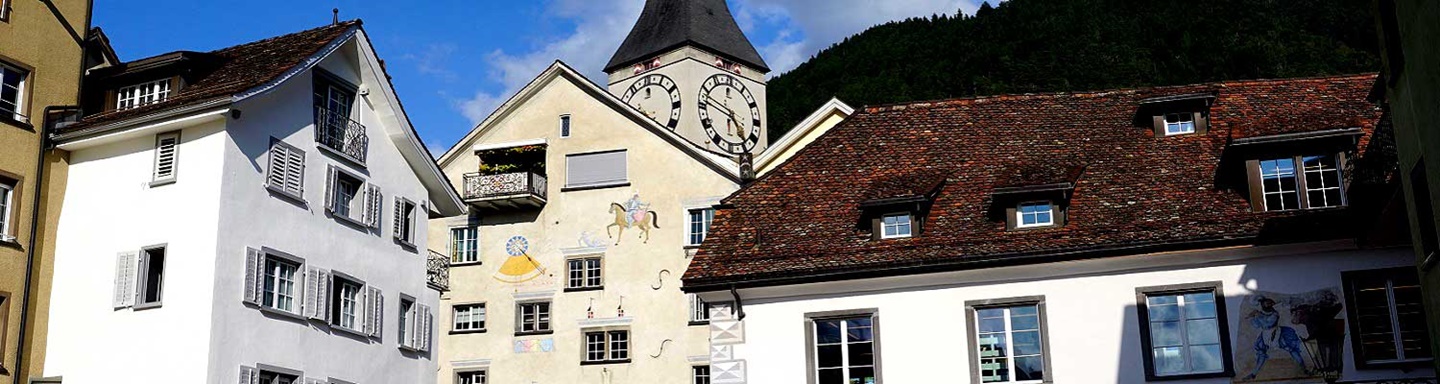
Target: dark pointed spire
[(669, 24)]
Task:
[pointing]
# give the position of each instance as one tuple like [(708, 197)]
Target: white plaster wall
[(252, 217), (109, 208), (1093, 326)]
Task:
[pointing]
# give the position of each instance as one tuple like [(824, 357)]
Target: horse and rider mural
[(634, 213)]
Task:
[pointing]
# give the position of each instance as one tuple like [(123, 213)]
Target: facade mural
[(634, 213), (519, 267), (1290, 336), (534, 346)]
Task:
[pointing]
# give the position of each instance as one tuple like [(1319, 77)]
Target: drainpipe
[(739, 310)]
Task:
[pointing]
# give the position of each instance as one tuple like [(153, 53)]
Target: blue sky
[(454, 61)]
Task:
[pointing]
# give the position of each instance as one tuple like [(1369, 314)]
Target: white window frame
[(406, 220), (463, 317), (908, 225), (1020, 214), (705, 216), (1276, 172), (270, 291), (1179, 126), (536, 320), (566, 124), (1321, 169), (700, 374), (166, 155), (699, 309), (142, 276), (469, 376), (465, 249), (4, 10), (591, 273), (7, 70), (7, 208), (613, 346), (353, 307), (143, 94)]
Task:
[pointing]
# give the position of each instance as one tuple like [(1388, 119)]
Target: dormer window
[(1179, 123), (1035, 214), (142, 94), (1300, 182), (896, 225)]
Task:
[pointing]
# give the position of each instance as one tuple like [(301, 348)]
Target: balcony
[(505, 191), (437, 272), (335, 131)]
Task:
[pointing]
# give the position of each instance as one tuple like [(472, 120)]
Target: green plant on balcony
[(528, 158)]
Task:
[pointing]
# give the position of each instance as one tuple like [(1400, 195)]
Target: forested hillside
[(1062, 45)]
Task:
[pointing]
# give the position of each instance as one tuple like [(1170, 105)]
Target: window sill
[(691, 246), (405, 243), (605, 362), (590, 187), (1225, 374), (144, 306), (1404, 364), (158, 183), (584, 289), (465, 264), (11, 120), (340, 328), (282, 193), (10, 241), (282, 312), (341, 155), (347, 219), (467, 331), (535, 333), (699, 322)]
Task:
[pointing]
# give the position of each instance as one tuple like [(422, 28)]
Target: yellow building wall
[(804, 141), (48, 44)]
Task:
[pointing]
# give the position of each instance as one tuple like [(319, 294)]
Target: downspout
[(739, 310), (35, 207)]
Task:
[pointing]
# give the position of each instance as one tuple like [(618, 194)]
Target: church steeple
[(665, 25)]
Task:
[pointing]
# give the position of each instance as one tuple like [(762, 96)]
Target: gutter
[(991, 261), (119, 125)]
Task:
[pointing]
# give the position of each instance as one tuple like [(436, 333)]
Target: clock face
[(655, 96), (729, 113)]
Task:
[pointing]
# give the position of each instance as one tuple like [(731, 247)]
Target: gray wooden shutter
[(1159, 121), (592, 169), (330, 189), (367, 311), (249, 375), (167, 147), (125, 280), (311, 301), (279, 161), (427, 324), (254, 274), (399, 218), (295, 171), (322, 307), (373, 199), (377, 311)]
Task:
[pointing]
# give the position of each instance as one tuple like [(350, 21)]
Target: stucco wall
[(660, 174), (1094, 331)]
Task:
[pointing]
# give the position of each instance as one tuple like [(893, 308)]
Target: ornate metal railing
[(338, 132), (479, 186), (437, 272)]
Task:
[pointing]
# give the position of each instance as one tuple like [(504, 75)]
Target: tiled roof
[(235, 69), (1132, 191)]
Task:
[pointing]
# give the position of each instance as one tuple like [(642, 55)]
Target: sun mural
[(519, 267)]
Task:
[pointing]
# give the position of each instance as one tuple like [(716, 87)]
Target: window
[(1280, 184), (1179, 123), (564, 125), (699, 310), (1387, 317), (333, 98), (280, 279), (286, 173), (267, 377), (607, 346), (464, 245), (469, 318), (1035, 214), (700, 374), (345, 303), (333, 95), (699, 225), (895, 225), (584, 274), (7, 207), (471, 377), (595, 170), (842, 347), (532, 318), (415, 324), (4, 319), (405, 221), (12, 91), (152, 277), (142, 94), (166, 154), (1184, 336), (348, 197), (4, 10), (1009, 344)]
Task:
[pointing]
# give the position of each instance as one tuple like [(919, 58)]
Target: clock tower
[(687, 65)]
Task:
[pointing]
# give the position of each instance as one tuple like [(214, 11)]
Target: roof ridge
[(342, 24)]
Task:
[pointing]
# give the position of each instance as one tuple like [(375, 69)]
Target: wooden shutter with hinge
[(311, 303), (125, 280), (374, 312), (323, 299), (254, 275), (330, 189), (372, 206), (249, 375), (1257, 194), (399, 218), (167, 148), (367, 309)]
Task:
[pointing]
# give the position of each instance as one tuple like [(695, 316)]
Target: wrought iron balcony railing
[(505, 190), (437, 272), (336, 131)]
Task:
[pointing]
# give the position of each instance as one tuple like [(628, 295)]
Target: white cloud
[(807, 26)]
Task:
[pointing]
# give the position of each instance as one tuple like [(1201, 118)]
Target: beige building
[(587, 202), (42, 45)]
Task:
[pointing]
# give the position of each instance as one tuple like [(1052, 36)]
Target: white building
[(1215, 233), (253, 213)]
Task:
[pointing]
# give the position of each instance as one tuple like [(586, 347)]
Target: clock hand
[(723, 108)]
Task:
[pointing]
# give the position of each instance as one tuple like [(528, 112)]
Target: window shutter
[(595, 169), (254, 272), (125, 279), (1257, 194), (377, 311), (1159, 121), (295, 171), (367, 311), (429, 328), (166, 155), (1202, 123), (330, 189), (399, 218), (249, 375), (311, 380), (312, 293), (322, 299), (279, 163), (372, 206)]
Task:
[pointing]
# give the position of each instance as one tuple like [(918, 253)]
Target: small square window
[(469, 318), (1035, 214), (895, 225), (584, 273), (700, 374), (267, 377), (470, 377), (607, 346), (1179, 123), (532, 318)]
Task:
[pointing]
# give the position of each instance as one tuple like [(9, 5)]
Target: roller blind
[(595, 169)]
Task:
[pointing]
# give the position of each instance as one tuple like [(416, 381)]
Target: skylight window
[(1035, 214), (896, 225), (1179, 123)]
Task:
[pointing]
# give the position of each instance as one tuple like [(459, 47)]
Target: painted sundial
[(519, 267)]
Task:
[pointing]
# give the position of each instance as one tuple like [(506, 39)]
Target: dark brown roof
[(232, 70), (669, 24), (1132, 192)]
